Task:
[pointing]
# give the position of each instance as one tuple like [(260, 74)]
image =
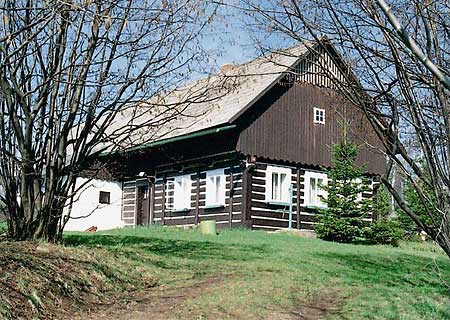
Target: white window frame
[(215, 188), (308, 192), (284, 190), (319, 115), (182, 190)]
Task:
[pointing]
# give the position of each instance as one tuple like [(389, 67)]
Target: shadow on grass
[(175, 248), (395, 271)]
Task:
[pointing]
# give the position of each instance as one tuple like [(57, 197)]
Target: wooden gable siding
[(280, 127), (318, 68)]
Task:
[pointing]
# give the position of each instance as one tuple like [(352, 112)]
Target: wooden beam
[(197, 199), (298, 198), (151, 195), (136, 204), (247, 197), (231, 196), (163, 209)]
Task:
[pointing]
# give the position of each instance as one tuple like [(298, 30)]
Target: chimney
[(226, 68)]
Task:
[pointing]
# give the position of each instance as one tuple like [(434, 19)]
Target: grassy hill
[(239, 274)]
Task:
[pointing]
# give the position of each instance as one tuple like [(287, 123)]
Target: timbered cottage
[(249, 157)]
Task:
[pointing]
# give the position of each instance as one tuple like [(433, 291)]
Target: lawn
[(278, 276)]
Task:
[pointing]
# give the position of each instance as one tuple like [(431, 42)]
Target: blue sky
[(233, 41)]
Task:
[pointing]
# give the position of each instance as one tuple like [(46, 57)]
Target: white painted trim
[(269, 227), (178, 217), (307, 176), (215, 214), (317, 110), (278, 170), (270, 218), (181, 196), (211, 188), (272, 210)]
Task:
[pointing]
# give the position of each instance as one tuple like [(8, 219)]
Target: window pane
[(187, 192), (275, 186), (104, 197), (283, 190), (319, 183), (312, 190), (217, 187)]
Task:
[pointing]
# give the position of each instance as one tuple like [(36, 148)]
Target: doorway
[(143, 206)]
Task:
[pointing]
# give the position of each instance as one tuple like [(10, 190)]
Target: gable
[(281, 127), (320, 68)]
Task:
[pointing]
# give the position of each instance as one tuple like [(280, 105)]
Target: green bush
[(384, 231)]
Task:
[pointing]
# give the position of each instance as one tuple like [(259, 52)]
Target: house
[(247, 158)]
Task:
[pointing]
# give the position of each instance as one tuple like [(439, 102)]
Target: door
[(143, 206)]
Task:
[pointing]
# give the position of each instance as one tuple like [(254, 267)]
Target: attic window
[(319, 116)]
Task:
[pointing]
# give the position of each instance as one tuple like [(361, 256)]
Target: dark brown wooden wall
[(280, 127), (265, 216), (198, 211)]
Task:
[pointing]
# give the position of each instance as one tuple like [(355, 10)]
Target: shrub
[(341, 221), (384, 231)]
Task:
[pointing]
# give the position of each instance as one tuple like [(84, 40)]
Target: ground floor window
[(182, 187), (278, 181), (215, 187), (104, 197), (313, 190)]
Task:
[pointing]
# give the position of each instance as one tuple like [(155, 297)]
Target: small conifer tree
[(342, 219)]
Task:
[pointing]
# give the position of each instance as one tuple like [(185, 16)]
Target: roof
[(204, 104)]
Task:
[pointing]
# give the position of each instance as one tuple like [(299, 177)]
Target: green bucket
[(208, 227)]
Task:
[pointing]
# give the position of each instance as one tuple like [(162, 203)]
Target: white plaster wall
[(86, 203)]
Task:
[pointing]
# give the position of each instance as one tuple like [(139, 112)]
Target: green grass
[(264, 274)]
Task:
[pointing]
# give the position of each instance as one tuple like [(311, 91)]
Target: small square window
[(319, 115), (104, 197)]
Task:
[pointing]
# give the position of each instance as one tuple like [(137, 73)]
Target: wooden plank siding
[(319, 68), (230, 212), (267, 216), (129, 196), (255, 212), (281, 128), (278, 129)]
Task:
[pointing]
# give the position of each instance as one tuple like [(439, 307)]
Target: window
[(215, 188), (313, 190), (182, 186), (277, 184), (104, 197), (319, 116)]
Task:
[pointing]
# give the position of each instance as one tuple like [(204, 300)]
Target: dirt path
[(162, 302), (317, 307), (155, 304)]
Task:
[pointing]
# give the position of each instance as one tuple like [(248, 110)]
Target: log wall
[(255, 212)]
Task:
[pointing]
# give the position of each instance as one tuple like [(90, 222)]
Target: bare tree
[(400, 56), (69, 71)]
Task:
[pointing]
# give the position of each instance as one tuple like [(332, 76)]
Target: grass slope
[(278, 275), (41, 281)]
